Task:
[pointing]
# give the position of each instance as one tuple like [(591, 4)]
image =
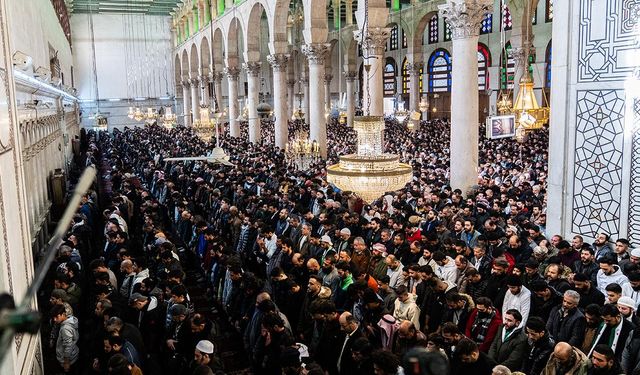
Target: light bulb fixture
[(130, 114), (527, 104)]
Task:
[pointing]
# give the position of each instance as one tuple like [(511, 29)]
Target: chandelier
[(169, 118), (138, 115), (301, 152), (370, 172), (130, 114), (423, 106), (204, 127), (150, 114), (526, 108)]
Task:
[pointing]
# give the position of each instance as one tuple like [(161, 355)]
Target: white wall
[(33, 26), (133, 56)]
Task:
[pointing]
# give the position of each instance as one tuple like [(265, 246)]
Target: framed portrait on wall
[(501, 127)]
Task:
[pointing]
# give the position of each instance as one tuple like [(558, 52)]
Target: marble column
[(195, 101), (350, 78), (327, 92), (253, 83), (279, 65), (373, 45), (217, 86), (464, 18), (291, 86), (316, 54), (414, 93), (232, 73), (305, 100), (186, 103), (204, 90)]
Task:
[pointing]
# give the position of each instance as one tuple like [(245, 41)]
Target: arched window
[(507, 68), (406, 77), (406, 81), (447, 31), (389, 77), (433, 29), (404, 39), (440, 71), (549, 11), (486, 27), (393, 38), (547, 67), (484, 62), (507, 21)]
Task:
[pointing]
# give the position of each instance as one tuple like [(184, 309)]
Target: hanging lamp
[(369, 172)]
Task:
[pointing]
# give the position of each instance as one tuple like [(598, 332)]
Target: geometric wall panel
[(599, 147), (607, 41), (634, 188)]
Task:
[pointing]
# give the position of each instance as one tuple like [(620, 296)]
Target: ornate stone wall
[(595, 115)]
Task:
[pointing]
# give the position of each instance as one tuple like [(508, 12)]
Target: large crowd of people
[(427, 280)]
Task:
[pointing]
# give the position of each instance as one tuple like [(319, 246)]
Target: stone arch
[(234, 42), (177, 70), (205, 56), (185, 64), (278, 26), (194, 61), (254, 32), (415, 40), (351, 54), (217, 50), (316, 27), (329, 62)]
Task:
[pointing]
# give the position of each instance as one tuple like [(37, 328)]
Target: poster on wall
[(501, 127)]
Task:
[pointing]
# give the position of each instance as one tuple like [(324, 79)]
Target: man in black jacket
[(541, 346), (566, 322), (614, 332), (588, 293), (471, 360)]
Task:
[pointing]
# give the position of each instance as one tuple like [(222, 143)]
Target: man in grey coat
[(67, 350)]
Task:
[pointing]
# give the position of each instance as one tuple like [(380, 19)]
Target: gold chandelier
[(138, 115), (204, 127), (370, 172), (131, 113), (528, 113), (169, 118), (300, 151)]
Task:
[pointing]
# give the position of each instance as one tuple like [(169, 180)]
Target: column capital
[(414, 68), (185, 83), (373, 40), (204, 78), (291, 82), (252, 68), (316, 52), (216, 77), (328, 78), (232, 72), (194, 81), (279, 62), (350, 75), (465, 16)]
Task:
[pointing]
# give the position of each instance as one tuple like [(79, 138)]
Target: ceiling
[(150, 7)]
